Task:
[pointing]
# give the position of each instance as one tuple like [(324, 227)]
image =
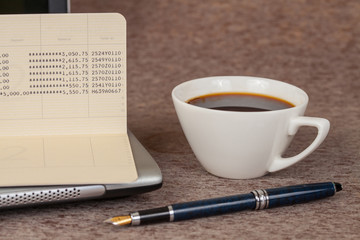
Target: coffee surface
[(240, 102)]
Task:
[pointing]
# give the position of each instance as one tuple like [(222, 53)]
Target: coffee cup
[(241, 143)]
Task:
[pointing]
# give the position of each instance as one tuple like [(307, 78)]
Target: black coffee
[(240, 102)]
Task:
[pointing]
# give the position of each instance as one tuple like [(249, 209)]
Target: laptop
[(149, 179), (34, 6)]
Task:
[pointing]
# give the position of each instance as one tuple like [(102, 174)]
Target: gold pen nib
[(120, 220)]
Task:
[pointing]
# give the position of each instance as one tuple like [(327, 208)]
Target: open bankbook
[(63, 116)]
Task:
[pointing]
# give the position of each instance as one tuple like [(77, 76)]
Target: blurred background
[(311, 44), (314, 45)]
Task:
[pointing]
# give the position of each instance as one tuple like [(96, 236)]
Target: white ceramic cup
[(242, 145)]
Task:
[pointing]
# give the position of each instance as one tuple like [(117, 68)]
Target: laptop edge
[(149, 179)]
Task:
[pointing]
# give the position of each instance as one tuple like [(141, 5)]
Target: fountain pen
[(256, 200)]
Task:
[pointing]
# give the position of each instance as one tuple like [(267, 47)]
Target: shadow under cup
[(244, 145)]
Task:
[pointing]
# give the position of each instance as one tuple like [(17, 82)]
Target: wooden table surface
[(314, 45)]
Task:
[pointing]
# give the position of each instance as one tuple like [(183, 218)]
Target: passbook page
[(63, 100)]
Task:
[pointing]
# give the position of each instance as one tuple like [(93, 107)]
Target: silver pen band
[(171, 213), (261, 199), (135, 218)]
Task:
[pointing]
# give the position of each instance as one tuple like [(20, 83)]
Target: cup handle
[(321, 124)]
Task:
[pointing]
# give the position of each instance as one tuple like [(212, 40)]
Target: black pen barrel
[(154, 215), (215, 206)]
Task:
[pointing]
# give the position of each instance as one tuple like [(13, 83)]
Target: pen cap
[(300, 193)]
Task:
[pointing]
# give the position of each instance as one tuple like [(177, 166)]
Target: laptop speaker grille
[(39, 196)]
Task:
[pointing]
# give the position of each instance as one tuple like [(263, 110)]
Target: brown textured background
[(312, 44)]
